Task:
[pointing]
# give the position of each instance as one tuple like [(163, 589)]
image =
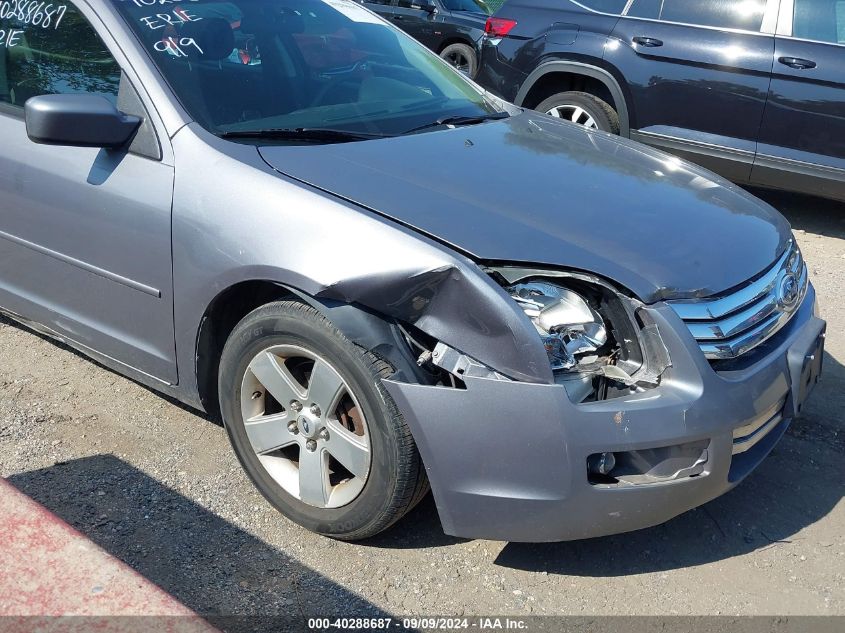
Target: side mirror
[(79, 120)]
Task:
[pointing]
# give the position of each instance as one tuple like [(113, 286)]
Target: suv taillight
[(498, 27)]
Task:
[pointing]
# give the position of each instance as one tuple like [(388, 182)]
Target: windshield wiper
[(459, 120), (304, 134)]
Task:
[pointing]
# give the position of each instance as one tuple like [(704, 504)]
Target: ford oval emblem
[(788, 292)]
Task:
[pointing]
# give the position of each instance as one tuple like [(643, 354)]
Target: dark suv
[(753, 89)]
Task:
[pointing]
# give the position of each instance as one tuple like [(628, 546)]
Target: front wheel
[(312, 425), (582, 108), (462, 57)]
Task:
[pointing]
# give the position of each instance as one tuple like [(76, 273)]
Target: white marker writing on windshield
[(160, 20), (11, 38), (176, 46)]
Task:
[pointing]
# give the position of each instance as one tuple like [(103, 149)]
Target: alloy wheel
[(575, 114), (306, 426), (460, 61)]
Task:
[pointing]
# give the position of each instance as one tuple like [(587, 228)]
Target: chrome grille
[(730, 325)]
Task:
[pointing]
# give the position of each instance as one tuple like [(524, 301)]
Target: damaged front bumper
[(508, 460)]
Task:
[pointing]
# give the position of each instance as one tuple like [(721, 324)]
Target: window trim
[(127, 84), (13, 111), (786, 25), (767, 26), (786, 16), (770, 17)]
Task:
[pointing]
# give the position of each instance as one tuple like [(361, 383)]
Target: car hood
[(532, 190)]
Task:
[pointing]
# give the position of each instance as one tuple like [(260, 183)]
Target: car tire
[(273, 346), (462, 57), (582, 108)]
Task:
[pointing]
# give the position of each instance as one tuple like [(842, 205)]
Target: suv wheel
[(462, 57), (582, 108), (312, 425)]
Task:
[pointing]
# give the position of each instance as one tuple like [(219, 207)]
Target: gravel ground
[(156, 485)]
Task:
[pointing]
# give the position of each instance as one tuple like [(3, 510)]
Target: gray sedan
[(289, 214)]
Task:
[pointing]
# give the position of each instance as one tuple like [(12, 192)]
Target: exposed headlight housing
[(569, 328), (598, 346)]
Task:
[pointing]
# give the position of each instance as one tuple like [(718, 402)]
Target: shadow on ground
[(208, 564), (419, 529), (8, 321), (806, 213)]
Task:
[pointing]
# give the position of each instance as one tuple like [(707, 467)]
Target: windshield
[(251, 65)]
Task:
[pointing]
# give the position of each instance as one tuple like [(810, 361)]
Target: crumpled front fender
[(265, 226)]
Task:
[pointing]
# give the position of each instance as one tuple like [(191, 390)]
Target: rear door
[(802, 139), (699, 75)]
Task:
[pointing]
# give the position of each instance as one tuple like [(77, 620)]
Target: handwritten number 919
[(177, 46)]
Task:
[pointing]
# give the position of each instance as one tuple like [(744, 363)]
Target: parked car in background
[(753, 89), (451, 28)]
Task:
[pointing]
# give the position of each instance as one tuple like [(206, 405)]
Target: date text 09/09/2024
[(416, 623)]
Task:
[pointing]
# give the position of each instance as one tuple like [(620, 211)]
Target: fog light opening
[(599, 466), (649, 465)]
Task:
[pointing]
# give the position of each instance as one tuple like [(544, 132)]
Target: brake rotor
[(350, 417)]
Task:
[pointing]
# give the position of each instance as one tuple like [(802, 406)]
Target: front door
[(699, 74), (802, 139), (84, 232)]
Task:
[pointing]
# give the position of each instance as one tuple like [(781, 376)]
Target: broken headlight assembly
[(600, 343)]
